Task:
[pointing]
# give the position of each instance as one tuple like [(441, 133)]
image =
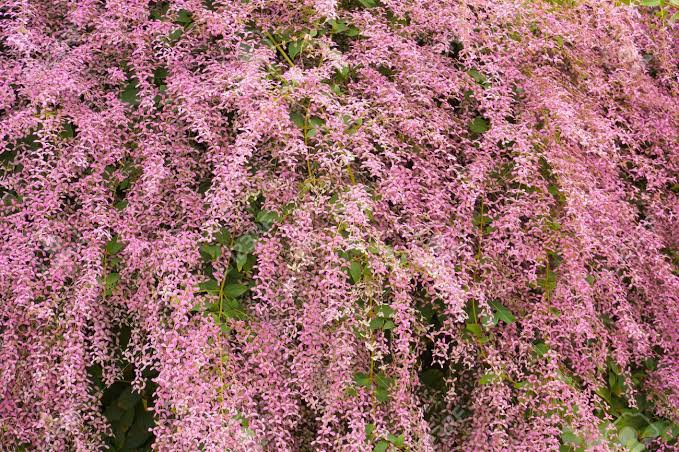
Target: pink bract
[(326, 225)]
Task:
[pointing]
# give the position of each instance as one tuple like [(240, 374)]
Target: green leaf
[(298, 119), (68, 130), (488, 378), (650, 3), (501, 312), (159, 76), (477, 76), (235, 290), (129, 94), (398, 441), (376, 324), (233, 309), (654, 430), (627, 435), (315, 121), (540, 349), (474, 328), (113, 246), (383, 381), (245, 244), (488, 322), (223, 237), (174, 36), (388, 325), (352, 31), (128, 398), (521, 384), (568, 437), (355, 271), (184, 18), (362, 379), (369, 429), (381, 446), (382, 394), (210, 252), (368, 3), (266, 218), (433, 378), (111, 280), (479, 125), (385, 311), (211, 285), (675, 17), (338, 26), (635, 446), (294, 48), (139, 433), (241, 260)]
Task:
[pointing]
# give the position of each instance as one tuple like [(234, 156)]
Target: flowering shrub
[(339, 225)]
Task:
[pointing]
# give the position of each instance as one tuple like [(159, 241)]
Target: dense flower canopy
[(338, 225)]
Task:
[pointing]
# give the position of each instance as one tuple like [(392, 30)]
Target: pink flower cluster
[(451, 225)]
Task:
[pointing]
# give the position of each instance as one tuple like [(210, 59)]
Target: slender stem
[(220, 370), (278, 46), (372, 370), (476, 277), (351, 174), (305, 130)]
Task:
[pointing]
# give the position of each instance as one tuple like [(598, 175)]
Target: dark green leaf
[(381, 446), (294, 48), (211, 285), (477, 76), (396, 440), (433, 378), (381, 394), (139, 433), (474, 329), (68, 130), (298, 119), (241, 260), (128, 398), (184, 18), (266, 218), (362, 379), (388, 325), (376, 324), (385, 311), (111, 280), (129, 94), (540, 349), (488, 378), (245, 244), (501, 312), (113, 246), (223, 237), (356, 271), (479, 125), (210, 252), (234, 290)]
